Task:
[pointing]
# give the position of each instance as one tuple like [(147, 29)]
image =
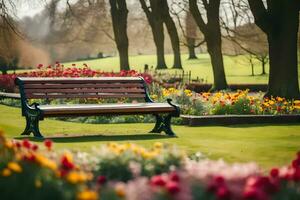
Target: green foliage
[(123, 162)]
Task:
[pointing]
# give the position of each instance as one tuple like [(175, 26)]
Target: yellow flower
[(188, 92), (279, 99), (78, 177), (271, 102), (148, 155), (120, 190), (6, 172), (45, 162), (8, 144), (297, 107), (14, 167), (158, 145), (73, 177), (154, 97), (266, 104), (87, 195), (297, 102)]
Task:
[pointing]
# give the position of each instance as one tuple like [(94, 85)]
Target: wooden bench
[(102, 87)]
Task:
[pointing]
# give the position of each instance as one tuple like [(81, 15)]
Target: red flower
[(35, 147), (223, 193), (296, 163), (101, 180), (66, 163), (18, 144), (158, 181), (40, 66), (48, 143), (172, 187), (26, 143), (274, 172), (30, 157), (253, 193), (174, 176)]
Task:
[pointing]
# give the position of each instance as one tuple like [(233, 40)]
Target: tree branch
[(197, 15), (260, 14)]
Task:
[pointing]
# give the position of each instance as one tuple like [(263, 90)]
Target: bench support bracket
[(163, 122), (32, 123)]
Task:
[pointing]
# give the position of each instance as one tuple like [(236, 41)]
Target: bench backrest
[(98, 87)]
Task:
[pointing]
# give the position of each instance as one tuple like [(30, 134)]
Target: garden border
[(204, 87), (192, 120)]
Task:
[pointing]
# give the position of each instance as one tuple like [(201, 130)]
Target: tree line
[(279, 20)]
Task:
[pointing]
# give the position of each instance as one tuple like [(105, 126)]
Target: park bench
[(84, 88)]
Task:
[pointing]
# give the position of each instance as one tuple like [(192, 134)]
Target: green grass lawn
[(268, 145), (237, 68)]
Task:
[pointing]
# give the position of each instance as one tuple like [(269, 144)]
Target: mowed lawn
[(268, 145), (237, 68)]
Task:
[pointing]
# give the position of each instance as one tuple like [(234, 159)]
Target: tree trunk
[(212, 34), (172, 30), (215, 52), (280, 21), (159, 38), (263, 66), (191, 34), (155, 20), (283, 78), (191, 48), (123, 55), (119, 15)]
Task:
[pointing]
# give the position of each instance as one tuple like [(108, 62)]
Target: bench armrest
[(177, 109)]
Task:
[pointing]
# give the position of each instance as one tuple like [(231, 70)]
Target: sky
[(29, 8)]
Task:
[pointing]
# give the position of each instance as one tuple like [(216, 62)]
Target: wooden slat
[(65, 110), (87, 95), (84, 90), (82, 80), (85, 85)]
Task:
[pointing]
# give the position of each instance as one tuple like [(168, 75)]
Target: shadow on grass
[(97, 138)]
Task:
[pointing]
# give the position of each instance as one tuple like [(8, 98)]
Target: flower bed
[(127, 171), (206, 105), (59, 70)]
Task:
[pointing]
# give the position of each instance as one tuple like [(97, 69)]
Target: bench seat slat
[(86, 95), (92, 109)]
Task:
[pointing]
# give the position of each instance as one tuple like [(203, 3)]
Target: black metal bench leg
[(158, 124), (163, 123), (167, 125), (32, 125)]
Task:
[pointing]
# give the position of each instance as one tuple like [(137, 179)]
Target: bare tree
[(237, 23), (187, 25), (9, 33)]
